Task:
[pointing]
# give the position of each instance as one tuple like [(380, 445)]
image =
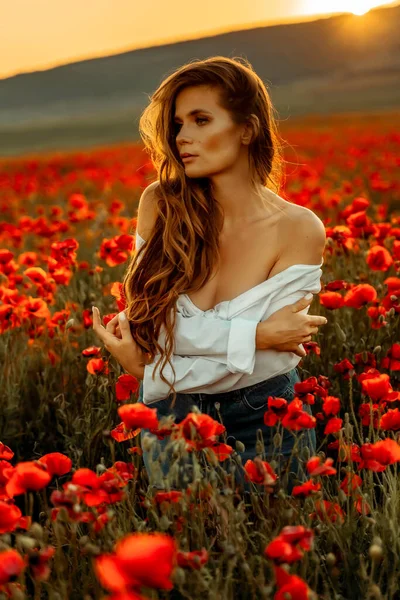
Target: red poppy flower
[(91, 351), (200, 431), (57, 464), (376, 385), (290, 586), (306, 489), (36, 308), (9, 516), (193, 560), (331, 300), (365, 359), (392, 359), (362, 506), (64, 252), (140, 559), (5, 452), (333, 426), (138, 415), (117, 290), (345, 368), (37, 275), (327, 511), (289, 545), (277, 408), (125, 386), (174, 496), (316, 467), (360, 295), (310, 385), (351, 483), (221, 451), (365, 410), (11, 566), (29, 475), (357, 205), (346, 452), (331, 405), (39, 562), (378, 456), (296, 418), (96, 366), (116, 250), (260, 472), (336, 285), (390, 420), (379, 258), (120, 434)]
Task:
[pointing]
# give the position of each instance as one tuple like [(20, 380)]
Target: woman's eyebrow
[(195, 111)]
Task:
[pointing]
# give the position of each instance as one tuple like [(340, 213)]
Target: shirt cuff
[(158, 387), (242, 346)]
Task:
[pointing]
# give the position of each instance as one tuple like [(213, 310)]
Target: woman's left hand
[(124, 348)]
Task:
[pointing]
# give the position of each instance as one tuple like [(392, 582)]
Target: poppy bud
[(277, 440), (376, 552), (239, 446)]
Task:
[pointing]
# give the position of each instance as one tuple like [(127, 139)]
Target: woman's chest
[(246, 260)]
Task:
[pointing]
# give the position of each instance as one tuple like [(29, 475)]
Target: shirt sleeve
[(232, 341), (207, 350)]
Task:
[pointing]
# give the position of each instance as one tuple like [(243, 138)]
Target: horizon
[(287, 18)]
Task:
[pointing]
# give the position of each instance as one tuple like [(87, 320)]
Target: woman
[(223, 258)]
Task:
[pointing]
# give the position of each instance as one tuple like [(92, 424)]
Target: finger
[(302, 303), (99, 329), (97, 324), (112, 324), (316, 320), (124, 326)]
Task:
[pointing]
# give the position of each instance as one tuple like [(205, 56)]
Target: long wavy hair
[(183, 248)]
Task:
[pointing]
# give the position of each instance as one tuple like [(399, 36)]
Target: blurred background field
[(344, 63)]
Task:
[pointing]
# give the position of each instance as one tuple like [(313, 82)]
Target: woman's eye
[(177, 126)]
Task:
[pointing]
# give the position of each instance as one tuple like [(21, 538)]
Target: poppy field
[(78, 519)]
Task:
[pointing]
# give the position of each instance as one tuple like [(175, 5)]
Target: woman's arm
[(233, 341), (196, 373)]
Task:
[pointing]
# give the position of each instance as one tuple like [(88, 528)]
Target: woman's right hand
[(288, 327)]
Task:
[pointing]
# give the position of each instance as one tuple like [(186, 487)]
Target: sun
[(357, 7), (361, 7), (360, 11)]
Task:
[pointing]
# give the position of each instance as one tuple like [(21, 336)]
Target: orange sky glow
[(42, 34)]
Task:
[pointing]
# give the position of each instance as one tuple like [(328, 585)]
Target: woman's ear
[(251, 129)]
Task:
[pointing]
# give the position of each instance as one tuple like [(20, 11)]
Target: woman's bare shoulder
[(147, 210), (303, 235)]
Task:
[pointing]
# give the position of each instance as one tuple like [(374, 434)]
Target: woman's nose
[(183, 141), (183, 138)]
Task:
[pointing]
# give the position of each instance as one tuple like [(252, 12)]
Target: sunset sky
[(38, 34)]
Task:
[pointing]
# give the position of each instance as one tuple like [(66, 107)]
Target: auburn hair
[(183, 247)]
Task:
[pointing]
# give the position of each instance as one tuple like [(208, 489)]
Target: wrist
[(137, 371), (263, 340)]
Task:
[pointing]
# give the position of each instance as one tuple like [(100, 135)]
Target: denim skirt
[(242, 413)]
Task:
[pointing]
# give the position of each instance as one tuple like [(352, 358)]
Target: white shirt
[(215, 350)]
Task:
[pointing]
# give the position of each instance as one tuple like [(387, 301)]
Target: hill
[(336, 64)]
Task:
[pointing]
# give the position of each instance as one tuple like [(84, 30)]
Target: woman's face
[(210, 134)]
